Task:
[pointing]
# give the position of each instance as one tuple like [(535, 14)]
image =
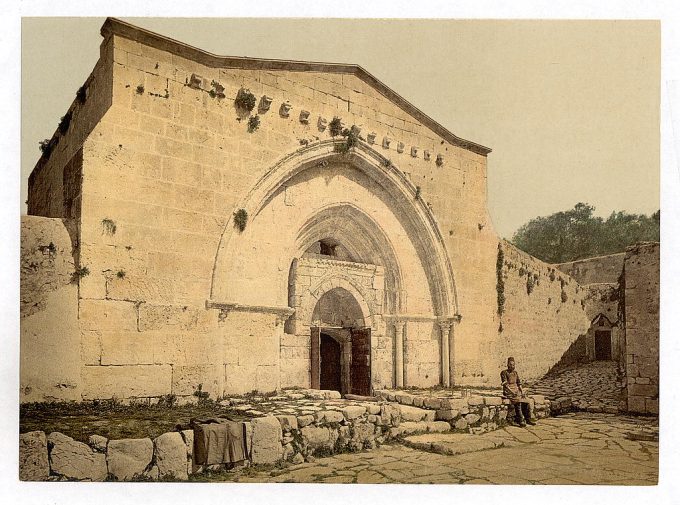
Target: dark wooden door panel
[(360, 370), (315, 358), (330, 363), (603, 345)]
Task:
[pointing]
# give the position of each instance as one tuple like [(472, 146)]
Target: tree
[(576, 233)]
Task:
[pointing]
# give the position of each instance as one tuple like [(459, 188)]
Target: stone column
[(445, 327), (399, 353)]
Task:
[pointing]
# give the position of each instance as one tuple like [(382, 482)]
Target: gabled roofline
[(121, 28)]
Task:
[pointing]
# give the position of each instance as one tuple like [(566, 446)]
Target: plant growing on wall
[(552, 275), (351, 139), (79, 273), (45, 147), (563, 296), (500, 283), (245, 100), (108, 226), (530, 283), (201, 395), (418, 191), (241, 219), (335, 126), (140, 89), (120, 274), (64, 123), (253, 123), (81, 94)]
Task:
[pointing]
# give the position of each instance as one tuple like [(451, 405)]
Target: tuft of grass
[(79, 273), (120, 274), (65, 122), (245, 100), (109, 226), (241, 219), (140, 89), (253, 123), (335, 127), (81, 94)]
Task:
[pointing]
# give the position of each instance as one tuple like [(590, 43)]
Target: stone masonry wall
[(594, 270), (50, 340), (641, 313), (544, 313), (168, 164)]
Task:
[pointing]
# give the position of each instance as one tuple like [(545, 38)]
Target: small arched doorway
[(340, 344)]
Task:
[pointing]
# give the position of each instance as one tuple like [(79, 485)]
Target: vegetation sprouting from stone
[(45, 147), (245, 100), (109, 226), (203, 396), (241, 219), (576, 233), (253, 123), (500, 284), (335, 126), (563, 296), (351, 140), (64, 123), (530, 283), (81, 94), (120, 274), (140, 89), (418, 192), (79, 273)]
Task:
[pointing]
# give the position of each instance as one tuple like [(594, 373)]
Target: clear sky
[(570, 108)]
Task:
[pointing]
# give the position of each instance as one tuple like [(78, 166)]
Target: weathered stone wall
[(641, 315), (185, 159), (543, 314), (54, 184), (50, 340), (599, 269)]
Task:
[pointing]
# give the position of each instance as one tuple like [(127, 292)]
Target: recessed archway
[(415, 218)]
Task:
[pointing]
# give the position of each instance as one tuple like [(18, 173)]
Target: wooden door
[(315, 356), (603, 345), (360, 369), (330, 368)]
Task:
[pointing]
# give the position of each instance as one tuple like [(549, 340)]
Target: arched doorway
[(340, 350)]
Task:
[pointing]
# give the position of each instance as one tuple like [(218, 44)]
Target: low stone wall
[(296, 437), (475, 413)]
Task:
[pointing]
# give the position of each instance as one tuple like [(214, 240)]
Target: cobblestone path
[(578, 448), (592, 387)]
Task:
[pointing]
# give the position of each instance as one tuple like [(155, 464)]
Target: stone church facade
[(341, 240)]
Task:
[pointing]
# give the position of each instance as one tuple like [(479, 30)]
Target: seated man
[(512, 390)]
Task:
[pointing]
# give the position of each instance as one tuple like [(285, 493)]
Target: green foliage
[(351, 139), (530, 283), (253, 123), (45, 147), (81, 94), (109, 226), (140, 89), (79, 273), (241, 219), (335, 126), (500, 284), (120, 274), (203, 396), (65, 122), (245, 100), (576, 233)]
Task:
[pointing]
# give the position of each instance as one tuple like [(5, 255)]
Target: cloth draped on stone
[(218, 440)]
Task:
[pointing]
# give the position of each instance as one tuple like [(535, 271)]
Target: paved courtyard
[(592, 386), (580, 448)]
